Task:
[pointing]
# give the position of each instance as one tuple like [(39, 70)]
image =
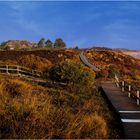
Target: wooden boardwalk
[(126, 108), (87, 63)]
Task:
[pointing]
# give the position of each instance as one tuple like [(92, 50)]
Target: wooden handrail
[(19, 70), (132, 91), (22, 67)]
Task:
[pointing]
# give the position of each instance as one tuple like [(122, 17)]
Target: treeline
[(59, 43)]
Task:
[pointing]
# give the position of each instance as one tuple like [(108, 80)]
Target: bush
[(102, 74), (71, 73), (112, 70)]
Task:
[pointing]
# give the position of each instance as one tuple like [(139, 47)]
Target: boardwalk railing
[(133, 92), (19, 70)]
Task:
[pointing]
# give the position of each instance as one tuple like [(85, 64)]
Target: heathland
[(69, 104)]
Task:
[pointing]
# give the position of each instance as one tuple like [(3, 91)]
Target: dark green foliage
[(49, 44), (41, 43), (76, 47), (112, 70), (70, 72), (102, 74), (59, 43), (3, 43)]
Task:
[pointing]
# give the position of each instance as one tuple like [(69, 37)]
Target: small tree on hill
[(59, 43), (76, 47), (41, 43), (49, 44), (3, 43)]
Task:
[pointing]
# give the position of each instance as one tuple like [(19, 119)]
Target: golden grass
[(30, 111), (126, 66), (34, 62)]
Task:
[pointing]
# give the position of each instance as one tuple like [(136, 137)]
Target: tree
[(59, 43), (76, 47), (41, 43), (3, 43), (49, 44)]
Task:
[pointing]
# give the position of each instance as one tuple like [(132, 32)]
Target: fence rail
[(19, 70), (131, 90)]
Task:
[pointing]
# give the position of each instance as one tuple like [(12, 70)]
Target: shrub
[(102, 74), (71, 73), (112, 70)]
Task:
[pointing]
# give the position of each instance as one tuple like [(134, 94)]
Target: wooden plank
[(126, 107)]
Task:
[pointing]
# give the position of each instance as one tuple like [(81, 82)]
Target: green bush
[(112, 70), (70, 72)]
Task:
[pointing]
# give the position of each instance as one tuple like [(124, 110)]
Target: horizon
[(83, 24)]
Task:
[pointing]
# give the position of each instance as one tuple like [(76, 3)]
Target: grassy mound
[(126, 66), (34, 62), (31, 111), (76, 110)]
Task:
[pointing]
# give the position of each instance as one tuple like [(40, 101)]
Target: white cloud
[(122, 33), (20, 11)]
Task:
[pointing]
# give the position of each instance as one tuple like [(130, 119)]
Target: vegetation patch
[(76, 111), (34, 62), (70, 106)]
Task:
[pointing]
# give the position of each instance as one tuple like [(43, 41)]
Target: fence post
[(7, 69), (117, 83), (117, 80), (129, 91), (122, 86), (18, 71), (138, 95)]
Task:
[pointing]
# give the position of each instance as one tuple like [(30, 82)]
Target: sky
[(79, 23)]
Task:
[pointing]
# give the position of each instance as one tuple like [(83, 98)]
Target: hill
[(135, 54), (70, 104), (39, 57), (107, 59), (17, 44), (124, 65)]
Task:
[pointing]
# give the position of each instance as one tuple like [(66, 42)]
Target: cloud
[(20, 12), (122, 33), (79, 23)]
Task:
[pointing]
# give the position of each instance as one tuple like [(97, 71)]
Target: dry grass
[(127, 66), (34, 62), (28, 111)]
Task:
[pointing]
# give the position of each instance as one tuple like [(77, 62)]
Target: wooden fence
[(131, 90), (19, 70)]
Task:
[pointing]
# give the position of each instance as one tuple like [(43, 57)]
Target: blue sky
[(86, 24)]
